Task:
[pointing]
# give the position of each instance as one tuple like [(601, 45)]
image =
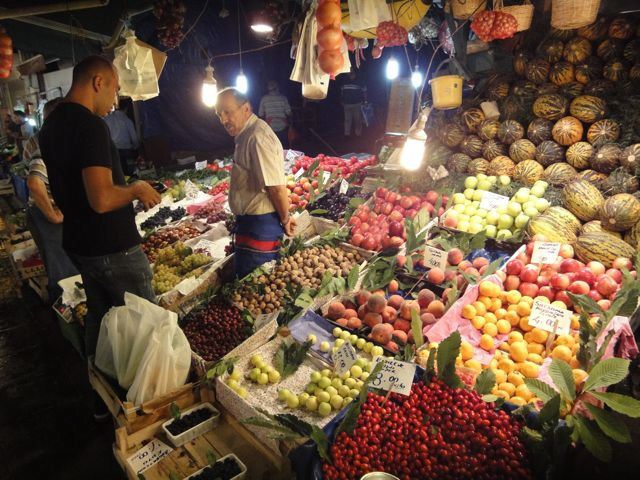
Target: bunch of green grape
[(193, 261), (164, 278), (177, 192)]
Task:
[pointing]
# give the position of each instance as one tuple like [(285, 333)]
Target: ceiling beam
[(15, 13), (65, 28)]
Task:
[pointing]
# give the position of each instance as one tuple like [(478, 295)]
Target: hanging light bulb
[(416, 78), (393, 69), (242, 84), (413, 149), (209, 88)]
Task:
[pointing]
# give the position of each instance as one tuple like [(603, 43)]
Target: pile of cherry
[(435, 432)]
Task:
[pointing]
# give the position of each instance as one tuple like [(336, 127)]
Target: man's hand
[(146, 194), (56, 216), (289, 227)]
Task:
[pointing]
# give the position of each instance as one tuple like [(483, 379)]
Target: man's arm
[(280, 198), (105, 197), (38, 192)]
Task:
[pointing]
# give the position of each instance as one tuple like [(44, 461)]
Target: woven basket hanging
[(523, 13), (570, 14), (463, 9)]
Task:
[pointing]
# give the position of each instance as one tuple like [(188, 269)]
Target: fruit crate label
[(491, 201), (149, 455), (344, 358), (434, 257), (201, 165), (344, 186), (299, 173), (395, 376), (545, 252), (549, 318)]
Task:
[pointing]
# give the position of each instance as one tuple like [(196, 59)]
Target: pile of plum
[(334, 202)]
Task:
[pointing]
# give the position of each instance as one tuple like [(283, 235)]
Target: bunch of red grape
[(170, 15), (212, 212), (435, 432)]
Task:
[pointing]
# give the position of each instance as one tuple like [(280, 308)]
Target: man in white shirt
[(123, 133), (276, 111)]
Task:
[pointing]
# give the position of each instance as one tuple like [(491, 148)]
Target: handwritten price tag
[(298, 174), (261, 320), (491, 201), (149, 455), (326, 176), (344, 358), (344, 186), (550, 318), (395, 376), (545, 252), (201, 165), (434, 257)]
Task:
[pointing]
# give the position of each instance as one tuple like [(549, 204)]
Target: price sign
[(344, 358), (437, 174), (491, 201), (395, 376), (261, 320), (201, 165), (299, 173), (149, 455), (549, 318), (326, 176), (434, 257), (344, 186), (545, 252)]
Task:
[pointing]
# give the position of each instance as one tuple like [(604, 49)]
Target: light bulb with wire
[(393, 69), (209, 88), (242, 84), (414, 147), (416, 78)]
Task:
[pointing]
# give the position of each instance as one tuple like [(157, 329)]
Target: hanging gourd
[(6, 54)]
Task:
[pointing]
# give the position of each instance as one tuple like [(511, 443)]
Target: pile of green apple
[(261, 373), (503, 222)]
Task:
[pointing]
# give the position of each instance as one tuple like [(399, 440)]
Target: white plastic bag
[(365, 14), (141, 345), (137, 72)]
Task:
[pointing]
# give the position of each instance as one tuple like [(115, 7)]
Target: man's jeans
[(106, 279)]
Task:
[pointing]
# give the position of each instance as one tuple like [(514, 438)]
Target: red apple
[(622, 262), (569, 265), (391, 197), (432, 197), (396, 216), (530, 246), (368, 243), (595, 295), (411, 213), (566, 251), (542, 281), (604, 304), (364, 227), (529, 289), (615, 274), (596, 267), (579, 287), (357, 239), (381, 192), (405, 202), (355, 221), (606, 285), (514, 267), (564, 298), (396, 229), (547, 292), (560, 281), (586, 275), (395, 242), (529, 274), (524, 258), (387, 208), (512, 282)]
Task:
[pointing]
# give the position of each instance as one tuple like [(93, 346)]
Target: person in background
[(25, 132), (44, 218), (258, 193), (13, 128), (276, 111), (99, 231), (123, 134), (353, 94)]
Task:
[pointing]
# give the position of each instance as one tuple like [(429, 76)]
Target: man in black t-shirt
[(87, 184)]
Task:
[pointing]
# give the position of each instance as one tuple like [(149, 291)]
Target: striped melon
[(632, 237), (488, 129), (528, 172), (621, 28), (577, 50), (559, 174), (548, 88), (539, 130), (498, 90), (520, 61), (548, 153), (478, 165), (630, 158), (453, 135), (596, 179), (631, 51), (588, 71), (634, 73), (588, 109), (561, 73), (600, 88), (606, 158), (603, 131), (595, 31), (524, 89), (502, 165), (601, 247), (596, 226), (621, 181), (472, 146), (579, 155), (620, 212), (551, 50), (564, 215), (472, 118), (458, 162), (554, 230), (582, 199), (571, 90), (609, 49), (537, 70), (522, 150), (567, 131), (509, 131), (615, 71), (492, 149), (550, 107)]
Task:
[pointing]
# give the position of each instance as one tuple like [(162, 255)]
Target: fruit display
[(502, 222), (333, 204), (261, 373), (215, 329), (211, 212), (266, 293), (173, 264), (188, 421), (435, 432), (163, 216), (341, 167), (301, 192), (226, 469), (177, 191), (167, 236), (381, 225), (220, 187)]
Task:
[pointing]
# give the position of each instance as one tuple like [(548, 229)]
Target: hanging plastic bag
[(365, 14), (141, 345), (137, 72)]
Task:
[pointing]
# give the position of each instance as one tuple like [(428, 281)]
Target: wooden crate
[(229, 436), (135, 419)]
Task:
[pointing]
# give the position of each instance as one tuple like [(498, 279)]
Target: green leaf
[(289, 357), (421, 219), (318, 211), (448, 350), (550, 412), (607, 372), (322, 442), (174, 409), (611, 424), (485, 382), (221, 367), (356, 202), (542, 390), (352, 278), (620, 403), (492, 268), (416, 329), (586, 303), (562, 376), (593, 439)]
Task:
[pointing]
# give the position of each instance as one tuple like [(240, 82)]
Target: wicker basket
[(523, 13), (463, 9), (570, 14)]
